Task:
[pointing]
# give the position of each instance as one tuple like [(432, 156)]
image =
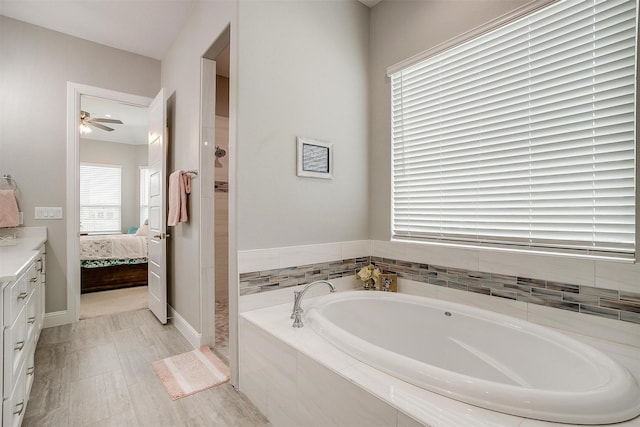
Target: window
[(144, 194), (523, 136), (100, 198)]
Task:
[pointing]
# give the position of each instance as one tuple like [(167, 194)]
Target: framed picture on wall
[(315, 158), (389, 282)]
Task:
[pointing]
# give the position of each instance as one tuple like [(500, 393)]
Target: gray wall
[(130, 157), (304, 72), (35, 65), (399, 30), (312, 80), (181, 80), (222, 96)]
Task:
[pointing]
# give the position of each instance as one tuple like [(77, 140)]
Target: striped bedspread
[(115, 246)]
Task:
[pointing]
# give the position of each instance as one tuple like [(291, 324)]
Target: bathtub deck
[(293, 374)]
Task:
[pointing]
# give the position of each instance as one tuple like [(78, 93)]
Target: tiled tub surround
[(221, 186), (269, 280), (297, 378), (608, 303), (291, 373)]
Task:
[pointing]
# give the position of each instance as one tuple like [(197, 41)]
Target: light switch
[(48, 213)]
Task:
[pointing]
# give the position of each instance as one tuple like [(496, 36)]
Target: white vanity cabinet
[(22, 318)]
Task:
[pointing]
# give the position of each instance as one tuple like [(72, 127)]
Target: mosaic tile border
[(608, 303), (221, 187), (269, 280)]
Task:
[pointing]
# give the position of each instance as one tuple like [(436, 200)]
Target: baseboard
[(187, 331), (56, 318)]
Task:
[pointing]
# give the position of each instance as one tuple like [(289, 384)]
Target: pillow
[(143, 230)]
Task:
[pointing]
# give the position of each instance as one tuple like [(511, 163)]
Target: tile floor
[(96, 304), (222, 329), (97, 372)]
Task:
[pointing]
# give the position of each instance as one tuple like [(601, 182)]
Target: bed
[(112, 262)]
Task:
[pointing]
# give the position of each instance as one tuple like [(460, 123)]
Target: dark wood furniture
[(113, 277)]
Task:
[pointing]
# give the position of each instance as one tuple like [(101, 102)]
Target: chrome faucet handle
[(297, 301), (297, 322)]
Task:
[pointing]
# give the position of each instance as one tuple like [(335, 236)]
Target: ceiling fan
[(86, 121)]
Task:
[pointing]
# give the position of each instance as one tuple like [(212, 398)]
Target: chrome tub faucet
[(297, 300)]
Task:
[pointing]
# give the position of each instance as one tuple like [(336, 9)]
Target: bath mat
[(189, 373)]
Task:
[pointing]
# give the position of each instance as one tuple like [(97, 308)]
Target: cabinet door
[(43, 283), (15, 350), (14, 298), (31, 315), (14, 406), (30, 368)]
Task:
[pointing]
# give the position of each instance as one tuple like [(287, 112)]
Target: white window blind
[(144, 194), (100, 198), (524, 135)]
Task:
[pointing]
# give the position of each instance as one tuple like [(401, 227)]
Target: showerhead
[(220, 152)]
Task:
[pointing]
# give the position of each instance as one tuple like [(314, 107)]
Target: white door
[(158, 207)]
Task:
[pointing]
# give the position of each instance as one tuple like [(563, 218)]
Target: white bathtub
[(478, 357)]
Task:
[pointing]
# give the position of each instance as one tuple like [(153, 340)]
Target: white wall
[(130, 157), (181, 79), (303, 72), (35, 65)]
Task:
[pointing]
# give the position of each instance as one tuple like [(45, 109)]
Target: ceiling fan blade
[(99, 126), (118, 122)]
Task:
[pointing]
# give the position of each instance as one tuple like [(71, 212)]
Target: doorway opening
[(215, 156), (113, 206), (97, 166)]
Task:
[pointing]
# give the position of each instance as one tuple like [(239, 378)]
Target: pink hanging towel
[(9, 216), (179, 187)]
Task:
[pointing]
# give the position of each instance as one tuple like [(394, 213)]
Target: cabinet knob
[(31, 370), (31, 319), (22, 295), (19, 346)]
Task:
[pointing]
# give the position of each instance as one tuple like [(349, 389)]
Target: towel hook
[(12, 182)]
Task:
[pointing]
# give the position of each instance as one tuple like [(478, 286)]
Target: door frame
[(74, 91)]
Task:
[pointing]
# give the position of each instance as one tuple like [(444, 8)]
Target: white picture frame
[(315, 158)]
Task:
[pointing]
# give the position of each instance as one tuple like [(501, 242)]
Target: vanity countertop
[(15, 259)]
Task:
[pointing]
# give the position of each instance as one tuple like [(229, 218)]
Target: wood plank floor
[(97, 372)]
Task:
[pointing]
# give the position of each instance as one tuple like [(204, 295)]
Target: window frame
[(142, 205), (516, 14), (80, 204)]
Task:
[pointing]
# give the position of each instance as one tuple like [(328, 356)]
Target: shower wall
[(222, 211)]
